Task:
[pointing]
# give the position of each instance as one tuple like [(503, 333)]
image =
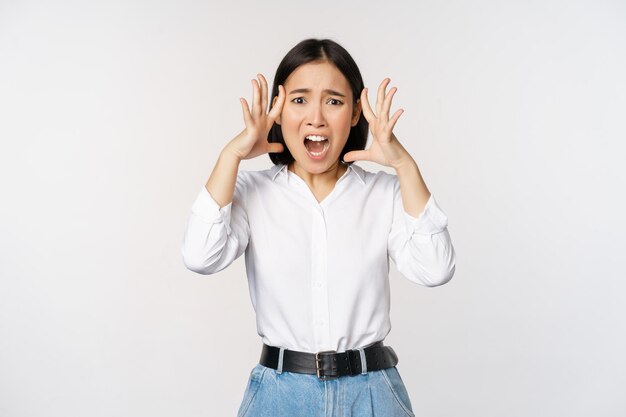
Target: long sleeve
[(215, 236), (421, 247)]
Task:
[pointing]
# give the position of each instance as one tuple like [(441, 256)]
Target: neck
[(319, 179)]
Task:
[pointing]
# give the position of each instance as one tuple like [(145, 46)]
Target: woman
[(318, 231)]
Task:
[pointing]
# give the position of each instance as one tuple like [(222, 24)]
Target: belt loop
[(279, 369), (363, 361)]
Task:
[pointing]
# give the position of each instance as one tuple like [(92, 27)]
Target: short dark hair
[(310, 50)]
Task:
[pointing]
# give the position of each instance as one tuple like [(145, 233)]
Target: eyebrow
[(308, 90)]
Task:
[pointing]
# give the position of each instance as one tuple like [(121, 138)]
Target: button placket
[(319, 253)]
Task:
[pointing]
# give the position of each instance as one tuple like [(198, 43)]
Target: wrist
[(406, 161), (229, 154)]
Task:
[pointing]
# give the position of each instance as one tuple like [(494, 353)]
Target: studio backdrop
[(113, 114)]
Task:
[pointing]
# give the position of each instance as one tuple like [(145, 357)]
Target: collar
[(281, 169)]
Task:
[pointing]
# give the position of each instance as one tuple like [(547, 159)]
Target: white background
[(112, 115)]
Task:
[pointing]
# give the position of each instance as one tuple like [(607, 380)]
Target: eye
[(335, 102), (298, 98)]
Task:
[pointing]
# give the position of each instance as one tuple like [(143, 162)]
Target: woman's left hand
[(385, 149)]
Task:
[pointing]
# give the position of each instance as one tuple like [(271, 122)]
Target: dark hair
[(310, 50)]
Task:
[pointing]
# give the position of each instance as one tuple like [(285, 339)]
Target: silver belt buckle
[(317, 366)]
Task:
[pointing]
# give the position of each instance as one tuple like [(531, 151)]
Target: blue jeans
[(374, 394)]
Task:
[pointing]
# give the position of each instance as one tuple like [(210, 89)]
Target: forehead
[(317, 76)]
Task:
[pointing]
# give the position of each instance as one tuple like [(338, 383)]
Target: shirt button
[(318, 284)]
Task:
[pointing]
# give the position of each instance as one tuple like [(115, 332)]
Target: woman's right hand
[(252, 141)]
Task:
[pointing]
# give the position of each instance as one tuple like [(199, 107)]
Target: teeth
[(316, 138), (320, 153)]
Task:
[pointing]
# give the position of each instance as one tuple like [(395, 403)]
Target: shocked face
[(317, 115)]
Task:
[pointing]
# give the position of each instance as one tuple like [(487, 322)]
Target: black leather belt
[(330, 364)]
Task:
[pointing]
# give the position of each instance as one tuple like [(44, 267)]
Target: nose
[(316, 116)]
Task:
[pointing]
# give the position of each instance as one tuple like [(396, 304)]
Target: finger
[(256, 98), (275, 147), (395, 118), (365, 106), (356, 156), (384, 114), (263, 93), (277, 108), (247, 117), (381, 95)]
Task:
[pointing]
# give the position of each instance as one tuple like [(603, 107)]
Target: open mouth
[(316, 146)]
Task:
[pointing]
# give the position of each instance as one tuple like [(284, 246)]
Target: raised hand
[(385, 149), (252, 141)]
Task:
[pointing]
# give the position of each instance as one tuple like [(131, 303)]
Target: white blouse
[(318, 273)]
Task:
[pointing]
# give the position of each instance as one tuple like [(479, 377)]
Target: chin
[(317, 166)]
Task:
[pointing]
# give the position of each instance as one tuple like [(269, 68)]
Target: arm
[(218, 230), (221, 182), (415, 194), (419, 242)]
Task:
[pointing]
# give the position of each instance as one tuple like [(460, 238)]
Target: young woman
[(318, 231)]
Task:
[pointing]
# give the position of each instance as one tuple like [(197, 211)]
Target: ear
[(356, 113), (273, 104)]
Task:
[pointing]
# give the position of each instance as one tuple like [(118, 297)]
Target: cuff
[(207, 209), (430, 221)]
